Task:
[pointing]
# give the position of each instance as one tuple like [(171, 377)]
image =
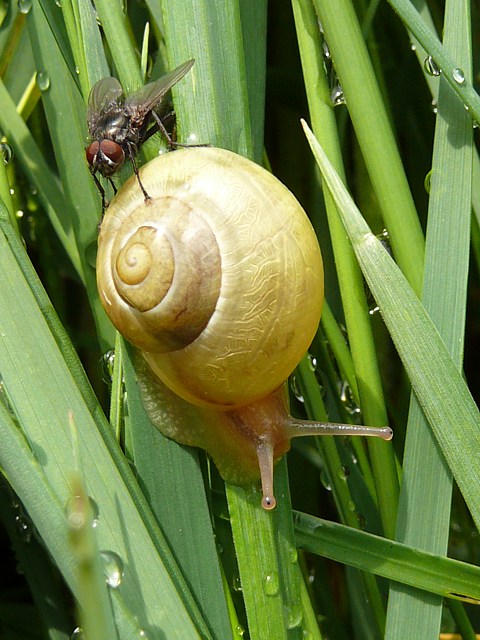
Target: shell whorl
[(161, 273)]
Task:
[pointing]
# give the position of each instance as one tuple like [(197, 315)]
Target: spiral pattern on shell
[(217, 278)]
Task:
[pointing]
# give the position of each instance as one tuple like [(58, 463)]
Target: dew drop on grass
[(7, 152), (43, 80), (106, 364), (337, 96), (431, 67), (75, 515), (294, 616), (24, 6), (112, 568), (271, 584), (458, 76)]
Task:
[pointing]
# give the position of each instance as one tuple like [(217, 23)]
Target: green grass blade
[(357, 319), (450, 67), (253, 17), (91, 401), (367, 111), (86, 43), (69, 124), (390, 559), (453, 416), (127, 67), (39, 174), (34, 562), (343, 492), (217, 111), (95, 614), (54, 15), (177, 497), (254, 528), (43, 394), (424, 513)]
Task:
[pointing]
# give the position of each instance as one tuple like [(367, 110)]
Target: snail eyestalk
[(297, 428), (265, 463)]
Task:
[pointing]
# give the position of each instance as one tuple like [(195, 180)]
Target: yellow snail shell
[(217, 278)]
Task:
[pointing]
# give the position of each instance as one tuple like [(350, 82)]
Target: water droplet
[(326, 51), (112, 568), (58, 3), (434, 106), (43, 80), (294, 386), (24, 6), (192, 138), (325, 480), (431, 67), (76, 513), (271, 584), (336, 95), (7, 152), (239, 631), (106, 364), (455, 526), (458, 75), (344, 472), (294, 616), (23, 526), (413, 47), (346, 394), (77, 634), (293, 555), (237, 584), (312, 363), (384, 238), (143, 635), (77, 70), (427, 183)]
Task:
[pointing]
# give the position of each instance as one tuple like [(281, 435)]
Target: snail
[(217, 279)]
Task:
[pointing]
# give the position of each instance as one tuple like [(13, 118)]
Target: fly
[(118, 126)]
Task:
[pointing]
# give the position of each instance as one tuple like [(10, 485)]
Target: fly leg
[(173, 144), (131, 155), (161, 127), (101, 190)]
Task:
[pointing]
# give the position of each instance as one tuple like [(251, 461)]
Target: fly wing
[(105, 94), (148, 97)]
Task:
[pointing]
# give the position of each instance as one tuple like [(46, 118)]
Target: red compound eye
[(112, 151), (92, 151)]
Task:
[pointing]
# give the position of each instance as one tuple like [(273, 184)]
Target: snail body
[(217, 278)]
